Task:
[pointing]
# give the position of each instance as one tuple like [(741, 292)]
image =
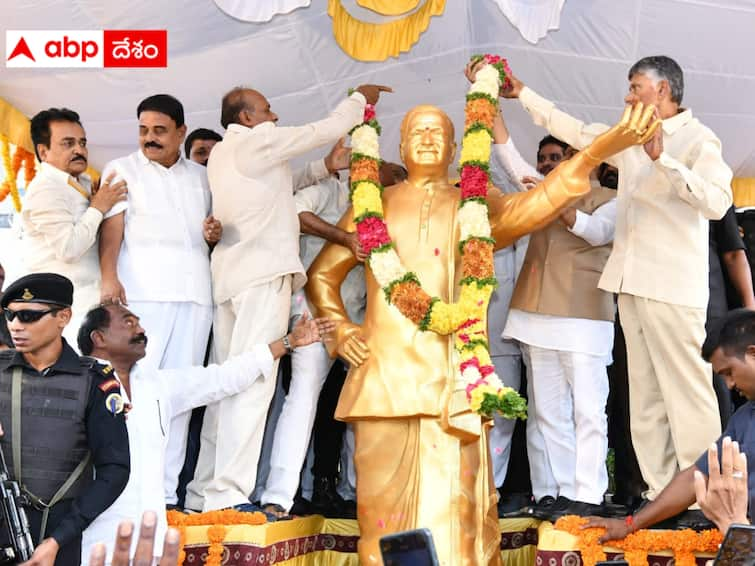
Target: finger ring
[(738, 475)]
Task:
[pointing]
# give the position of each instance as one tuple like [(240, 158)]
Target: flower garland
[(402, 288), (216, 521), (638, 545), (12, 167)]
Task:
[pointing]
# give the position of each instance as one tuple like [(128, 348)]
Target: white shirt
[(329, 199), (164, 257), (157, 396), (252, 190), (558, 332), (60, 228), (663, 207)]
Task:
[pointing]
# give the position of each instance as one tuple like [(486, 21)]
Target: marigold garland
[(465, 318), (12, 166), (217, 522), (636, 546)]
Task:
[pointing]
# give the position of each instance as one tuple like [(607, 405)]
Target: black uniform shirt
[(107, 438)]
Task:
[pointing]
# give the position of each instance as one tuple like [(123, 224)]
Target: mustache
[(79, 158), (153, 144), (138, 339)]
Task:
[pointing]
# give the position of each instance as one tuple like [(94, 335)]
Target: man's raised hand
[(372, 92)]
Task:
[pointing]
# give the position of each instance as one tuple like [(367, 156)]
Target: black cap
[(48, 288)]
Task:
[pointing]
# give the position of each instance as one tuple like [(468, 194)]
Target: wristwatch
[(287, 344)]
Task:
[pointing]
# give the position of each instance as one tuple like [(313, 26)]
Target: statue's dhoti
[(412, 474)]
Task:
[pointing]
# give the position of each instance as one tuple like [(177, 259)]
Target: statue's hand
[(636, 127), (351, 344)]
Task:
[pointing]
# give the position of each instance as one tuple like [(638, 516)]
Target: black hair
[(234, 102), (734, 333), (165, 104), (40, 125), (200, 134), (97, 318), (663, 68), (551, 140), (5, 338)]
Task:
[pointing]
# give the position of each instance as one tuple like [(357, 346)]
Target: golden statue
[(415, 468)]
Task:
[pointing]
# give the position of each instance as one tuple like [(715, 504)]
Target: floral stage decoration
[(636, 546), (11, 166), (216, 522), (466, 319)]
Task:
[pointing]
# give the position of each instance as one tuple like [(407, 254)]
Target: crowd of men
[(179, 280)]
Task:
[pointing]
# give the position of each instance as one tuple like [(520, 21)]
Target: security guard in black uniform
[(68, 413)]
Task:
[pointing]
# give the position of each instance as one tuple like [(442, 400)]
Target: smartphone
[(409, 548), (738, 547)]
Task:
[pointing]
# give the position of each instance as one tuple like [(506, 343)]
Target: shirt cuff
[(117, 209), (580, 224), (359, 96), (264, 358), (671, 167), (94, 214)]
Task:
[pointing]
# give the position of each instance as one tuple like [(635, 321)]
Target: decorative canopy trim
[(376, 42), (259, 11), (389, 7)]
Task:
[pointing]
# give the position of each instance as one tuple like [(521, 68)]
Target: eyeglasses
[(26, 316)]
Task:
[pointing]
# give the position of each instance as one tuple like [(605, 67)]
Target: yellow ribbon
[(389, 7), (376, 42)]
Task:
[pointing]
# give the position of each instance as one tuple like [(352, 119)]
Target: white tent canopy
[(294, 60)]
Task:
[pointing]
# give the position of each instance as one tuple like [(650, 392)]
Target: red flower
[(369, 112), (474, 182), (464, 337), (486, 370), (373, 233), (467, 323), (492, 58), (471, 362)]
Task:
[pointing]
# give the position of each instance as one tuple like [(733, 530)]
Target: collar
[(68, 362), (60, 176), (672, 125), (246, 130), (144, 160)]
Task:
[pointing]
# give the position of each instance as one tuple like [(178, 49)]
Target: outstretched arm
[(515, 215)]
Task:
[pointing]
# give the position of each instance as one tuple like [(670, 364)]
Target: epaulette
[(105, 379)]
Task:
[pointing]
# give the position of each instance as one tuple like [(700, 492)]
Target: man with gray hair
[(668, 190)]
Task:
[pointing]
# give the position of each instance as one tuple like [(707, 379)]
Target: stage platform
[(326, 542), (317, 541)]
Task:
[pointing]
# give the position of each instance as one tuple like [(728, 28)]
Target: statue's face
[(427, 140)]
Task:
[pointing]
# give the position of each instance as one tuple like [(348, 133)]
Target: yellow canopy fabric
[(389, 7), (376, 42), (743, 189)]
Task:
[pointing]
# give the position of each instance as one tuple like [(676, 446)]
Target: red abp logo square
[(135, 48)]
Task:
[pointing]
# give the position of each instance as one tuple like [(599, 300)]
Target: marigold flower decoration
[(12, 166), (637, 545), (403, 289)]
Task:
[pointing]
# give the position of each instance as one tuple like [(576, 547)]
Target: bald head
[(247, 107), (427, 141), (424, 110)]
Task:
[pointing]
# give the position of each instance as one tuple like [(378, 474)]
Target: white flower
[(487, 81), (494, 380), (386, 267), (471, 374), (473, 220), (364, 140)]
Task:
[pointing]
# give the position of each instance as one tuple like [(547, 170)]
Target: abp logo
[(86, 48)]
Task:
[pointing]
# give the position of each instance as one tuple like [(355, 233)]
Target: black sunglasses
[(26, 316)]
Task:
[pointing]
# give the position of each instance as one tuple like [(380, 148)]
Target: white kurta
[(156, 397)]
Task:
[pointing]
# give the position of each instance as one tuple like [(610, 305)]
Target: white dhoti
[(233, 428)]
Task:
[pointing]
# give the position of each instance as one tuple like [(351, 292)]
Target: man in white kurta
[(668, 190), (255, 269), (155, 254), (154, 397), (60, 217)]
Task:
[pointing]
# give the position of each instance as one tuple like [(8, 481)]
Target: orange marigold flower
[(477, 259), (411, 300), (479, 110), (364, 170)]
